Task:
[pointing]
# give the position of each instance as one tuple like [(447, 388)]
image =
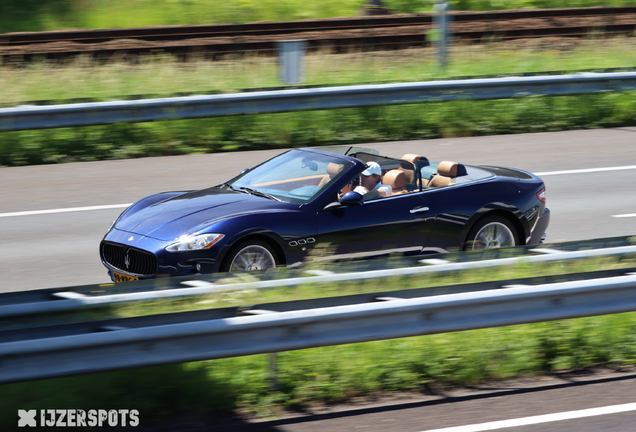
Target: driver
[(371, 183)]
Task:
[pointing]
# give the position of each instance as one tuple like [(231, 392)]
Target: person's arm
[(385, 190), (361, 190)]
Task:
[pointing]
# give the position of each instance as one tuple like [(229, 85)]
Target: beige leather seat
[(397, 180), (333, 169), (409, 173), (446, 173)]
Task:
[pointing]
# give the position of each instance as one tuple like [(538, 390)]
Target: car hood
[(193, 212)]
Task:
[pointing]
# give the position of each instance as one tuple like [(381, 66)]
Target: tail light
[(541, 194)]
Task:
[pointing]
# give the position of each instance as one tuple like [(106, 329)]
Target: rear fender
[(509, 211)]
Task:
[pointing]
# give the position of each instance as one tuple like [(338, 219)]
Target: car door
[(400, 223)]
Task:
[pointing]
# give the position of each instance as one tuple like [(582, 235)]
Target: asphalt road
[(590, 403), (44, 250), (41, 250)]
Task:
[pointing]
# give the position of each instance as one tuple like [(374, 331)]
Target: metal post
[(291, 54), (273, 372), (442, 24)]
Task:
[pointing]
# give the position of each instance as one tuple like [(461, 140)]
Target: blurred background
[(234, 46), (45, 15), (47, 56)]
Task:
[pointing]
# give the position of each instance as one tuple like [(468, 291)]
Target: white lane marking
[(586, 170), (104, 207), (525, 421), (625, 215), (65, 210)]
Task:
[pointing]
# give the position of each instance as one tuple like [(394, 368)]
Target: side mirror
[(348, 200), (352, 199)]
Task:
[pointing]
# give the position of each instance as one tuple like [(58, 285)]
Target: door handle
[(419, 210)]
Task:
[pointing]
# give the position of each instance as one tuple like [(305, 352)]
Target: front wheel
[(492, 232), (250, 255)]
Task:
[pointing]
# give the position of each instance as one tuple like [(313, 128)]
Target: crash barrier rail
[(53, 300), (100, 113), (268, 331), (129, 97), (43, 325)]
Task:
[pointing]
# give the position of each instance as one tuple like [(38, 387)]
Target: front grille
[(139, 262)]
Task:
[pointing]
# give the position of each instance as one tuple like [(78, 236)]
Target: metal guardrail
[(72, 298), (100, 113), (137, 96), (43, 326), (268, 331)]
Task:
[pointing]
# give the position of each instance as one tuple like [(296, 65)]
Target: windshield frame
[(257, 177)]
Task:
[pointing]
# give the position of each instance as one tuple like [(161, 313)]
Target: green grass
[(159, 76), (38, 15), (306, 129), (442, 282), (329, 375), (85, 79)]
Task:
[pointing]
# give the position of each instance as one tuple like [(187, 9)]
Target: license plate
[(118, 277)]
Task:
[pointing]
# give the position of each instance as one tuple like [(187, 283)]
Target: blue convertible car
[(276, 213)]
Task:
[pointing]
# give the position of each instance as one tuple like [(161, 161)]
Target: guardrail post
[(273, 372), (291, 54), (442, 25)]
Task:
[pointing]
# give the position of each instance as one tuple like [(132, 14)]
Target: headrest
[(410, 157), (447, 169), (409, 174), (395, 178), (333, 169)]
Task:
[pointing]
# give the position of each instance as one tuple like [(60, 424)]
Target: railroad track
[(336, 34)]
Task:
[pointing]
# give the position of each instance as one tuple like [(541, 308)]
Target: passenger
[(371, 183)]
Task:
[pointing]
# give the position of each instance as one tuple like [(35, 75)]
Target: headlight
[(202, 241)]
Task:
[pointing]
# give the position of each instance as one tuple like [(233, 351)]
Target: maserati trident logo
[(127, 260)]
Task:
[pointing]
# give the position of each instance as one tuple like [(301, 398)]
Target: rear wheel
[(250, 255), (491, 232)]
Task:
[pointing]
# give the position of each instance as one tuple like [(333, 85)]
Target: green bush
[(315, 128)]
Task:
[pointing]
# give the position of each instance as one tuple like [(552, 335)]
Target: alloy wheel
[(252, 258), (492, 236)]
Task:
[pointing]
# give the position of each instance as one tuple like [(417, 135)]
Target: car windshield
[(296, 176)]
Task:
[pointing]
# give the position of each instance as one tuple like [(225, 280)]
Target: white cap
[(372, 168)]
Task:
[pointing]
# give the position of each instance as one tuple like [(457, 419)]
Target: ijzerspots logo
[(78, 418)]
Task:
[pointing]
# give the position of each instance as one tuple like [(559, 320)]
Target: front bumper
[(167, 263)]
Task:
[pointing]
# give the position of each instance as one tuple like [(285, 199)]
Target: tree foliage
[(32, 15)]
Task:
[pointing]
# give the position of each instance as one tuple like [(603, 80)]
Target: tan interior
[(397, 180), (333, 170), (446, 173), (293, 183), (410, 174)]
